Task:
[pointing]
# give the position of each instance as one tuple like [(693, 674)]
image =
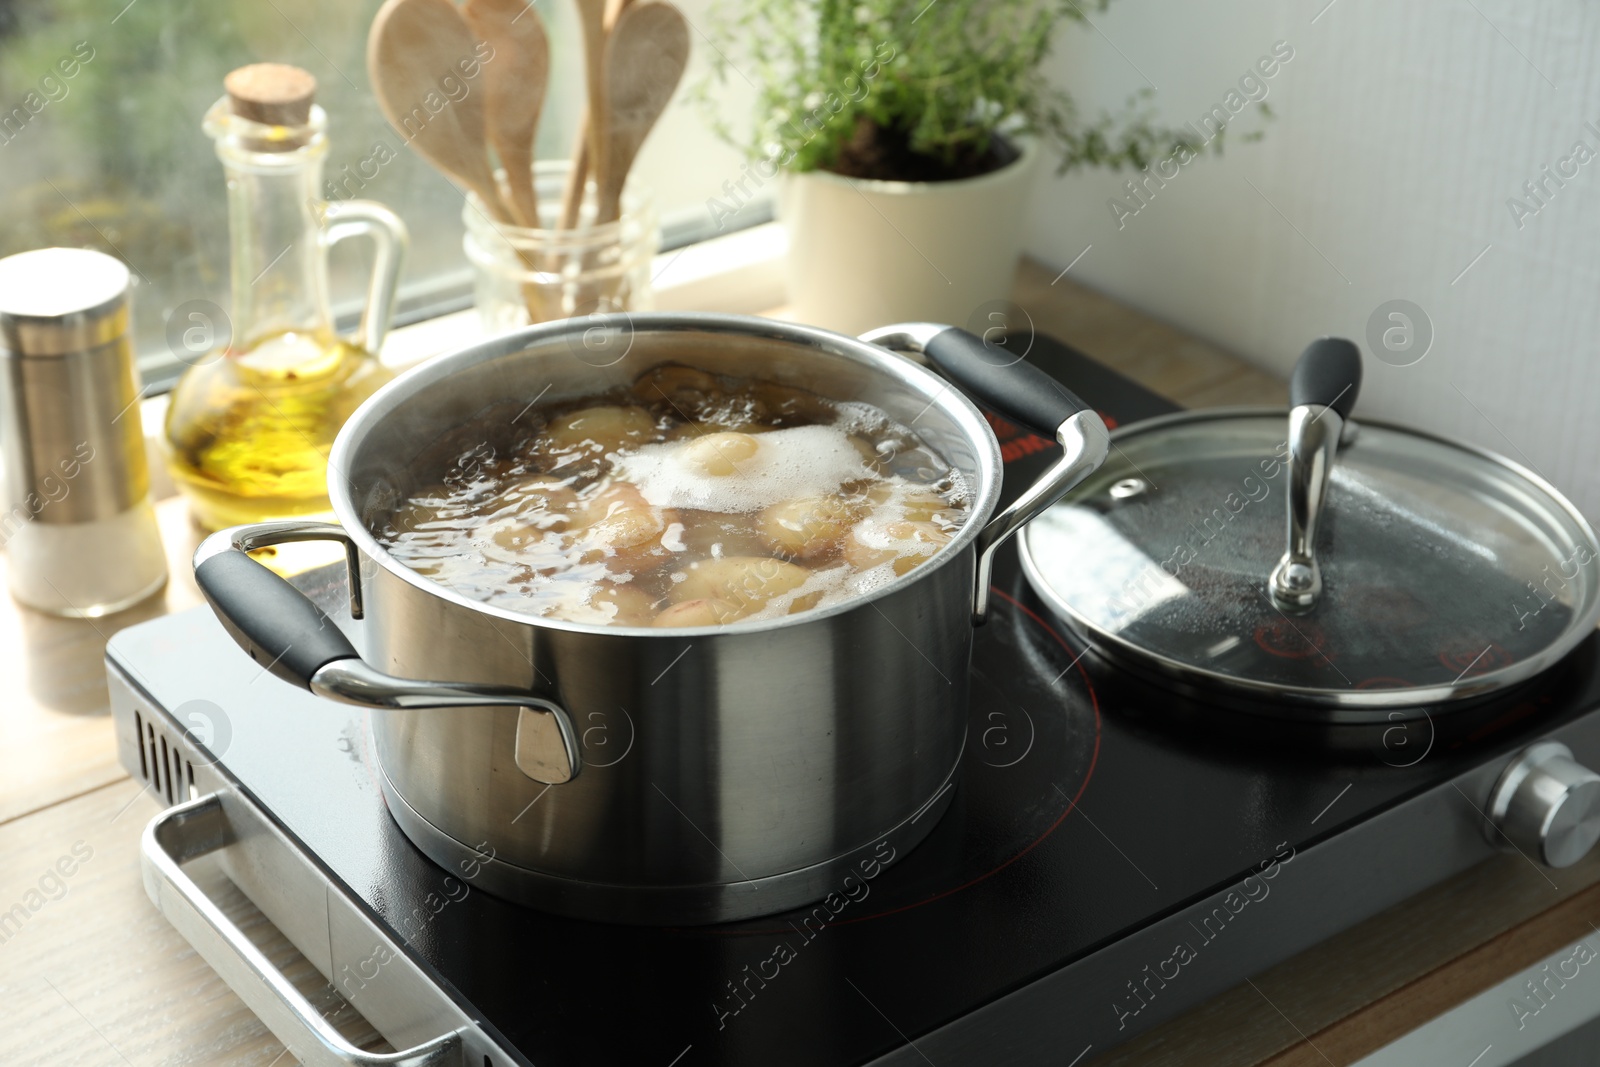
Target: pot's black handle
[(1020, 392), (1003, 381), (290, 636), (270, 619), (1328, 373)]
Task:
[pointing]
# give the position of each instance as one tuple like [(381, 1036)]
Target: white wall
[(1402, 130)]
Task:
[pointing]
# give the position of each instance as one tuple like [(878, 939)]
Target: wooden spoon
[(417, 51), (578, 176), (645, 57), (514, 84), (592, 17)]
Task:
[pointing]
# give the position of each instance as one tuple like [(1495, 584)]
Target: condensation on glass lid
[(687, 500), (1438, 565)]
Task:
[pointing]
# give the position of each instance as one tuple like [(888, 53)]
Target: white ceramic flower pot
[(862, 252)]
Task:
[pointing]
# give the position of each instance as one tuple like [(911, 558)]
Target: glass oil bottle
[(252, 421)]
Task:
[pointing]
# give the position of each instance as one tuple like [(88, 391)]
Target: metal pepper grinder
[(75, 518)]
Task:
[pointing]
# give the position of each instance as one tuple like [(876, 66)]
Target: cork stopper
[(272, 94)]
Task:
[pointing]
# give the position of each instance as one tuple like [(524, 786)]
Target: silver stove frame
[(209, 814)]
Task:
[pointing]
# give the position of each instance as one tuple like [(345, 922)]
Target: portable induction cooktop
[(1113, 855)]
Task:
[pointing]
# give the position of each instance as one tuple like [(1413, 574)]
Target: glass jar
[(523, 275)]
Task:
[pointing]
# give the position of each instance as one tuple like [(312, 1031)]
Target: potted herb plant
[(906, 134)]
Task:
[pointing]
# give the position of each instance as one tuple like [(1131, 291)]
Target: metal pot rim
[(1338, 705), (936, 390)]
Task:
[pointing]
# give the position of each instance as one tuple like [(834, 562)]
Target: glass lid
[(1417, 571)]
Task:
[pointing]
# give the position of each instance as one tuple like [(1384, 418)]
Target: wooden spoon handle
[(591, 16), (514, 89), (578, 176)]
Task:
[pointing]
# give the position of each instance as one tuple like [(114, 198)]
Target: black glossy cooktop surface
[(1113, 853)]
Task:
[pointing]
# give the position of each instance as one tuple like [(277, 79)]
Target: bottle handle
[(368, 218)]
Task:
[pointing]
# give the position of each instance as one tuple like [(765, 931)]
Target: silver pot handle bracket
[(1322, 392), (207, 825), (1024, 394), (291, 637)]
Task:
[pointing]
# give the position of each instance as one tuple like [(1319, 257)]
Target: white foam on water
[(801, 461)]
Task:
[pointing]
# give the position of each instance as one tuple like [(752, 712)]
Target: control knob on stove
[(1547, 805)]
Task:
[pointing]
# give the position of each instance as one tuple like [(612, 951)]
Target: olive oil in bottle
[(251, 423)]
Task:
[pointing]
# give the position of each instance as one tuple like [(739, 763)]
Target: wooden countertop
[(91, 974)]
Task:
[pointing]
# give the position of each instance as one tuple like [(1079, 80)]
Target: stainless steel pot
[(646, 775)]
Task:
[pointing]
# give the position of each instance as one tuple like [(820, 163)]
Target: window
[(101, 146)]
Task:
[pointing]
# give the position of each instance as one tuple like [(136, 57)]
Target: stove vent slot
[(166, 768), (155, 757), (161, 765), (138, 736)]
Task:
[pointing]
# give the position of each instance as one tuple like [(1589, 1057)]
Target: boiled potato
[(619, 526), (605, 500), (601, 429), (514, 541), (787, 406), (808, 527), (546, 503), (706, 611), (869, 452), (747, 582), (807, 602), (907, 544), (624, 604), (718, 454), (907, 503), (683, 387), (625, 539), (517, 538)]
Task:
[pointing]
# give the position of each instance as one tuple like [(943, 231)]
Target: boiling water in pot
[(689, 499)]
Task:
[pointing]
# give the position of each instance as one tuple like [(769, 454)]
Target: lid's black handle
[(1004, 381), (1327, 377), (1328, 373)]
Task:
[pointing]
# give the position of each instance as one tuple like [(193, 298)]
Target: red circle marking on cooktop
[(1282, 638), (1490, 658), (1072, 804)]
